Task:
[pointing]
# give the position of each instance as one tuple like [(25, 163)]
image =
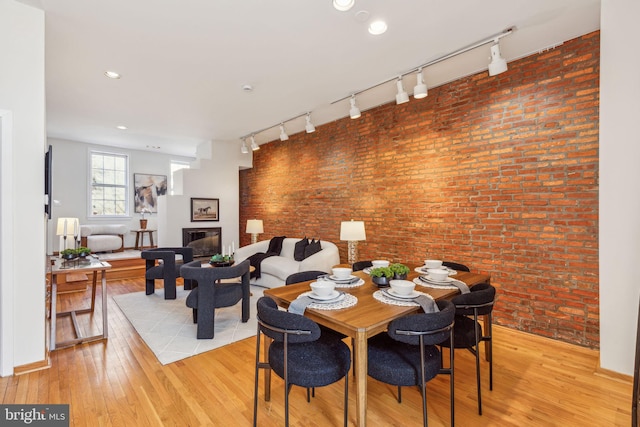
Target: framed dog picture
[(205, 209), (147, 189)]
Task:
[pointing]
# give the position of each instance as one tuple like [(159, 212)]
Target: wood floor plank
[(119, 382)]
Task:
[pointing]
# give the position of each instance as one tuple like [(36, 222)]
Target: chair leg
[(399, 394), (477, 354), (255, 387), (195, 315), (346, 399)]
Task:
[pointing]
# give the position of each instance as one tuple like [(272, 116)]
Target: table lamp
[(352, 231), (68, 227), (255, 227)]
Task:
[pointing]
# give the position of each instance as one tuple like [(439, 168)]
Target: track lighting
[(498, 64), (354, 112), (402, 96), (343, 5), (254, 146), (420, 90), (283, 134), (309, 127), (244, 149)]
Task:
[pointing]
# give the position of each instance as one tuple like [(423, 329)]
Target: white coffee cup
[(379, 263), (341, 272), (437, 274), (402, 287), (323, 288), (432, 263)]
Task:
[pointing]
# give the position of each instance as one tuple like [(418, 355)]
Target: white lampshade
[(352, 231), (254, 226), (68, 227)]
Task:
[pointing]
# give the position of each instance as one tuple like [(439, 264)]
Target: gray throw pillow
[(298, 251), (312, 248)]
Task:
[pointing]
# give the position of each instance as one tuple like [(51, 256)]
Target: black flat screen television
[(48, 170)]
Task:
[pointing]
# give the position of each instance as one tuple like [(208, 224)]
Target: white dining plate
[(333, 295), (339, 279), (392, 293)]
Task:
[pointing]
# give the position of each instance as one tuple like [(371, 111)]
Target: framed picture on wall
[(147, 188), (205, 209)]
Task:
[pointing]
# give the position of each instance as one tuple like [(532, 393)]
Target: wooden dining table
[(366, 319)]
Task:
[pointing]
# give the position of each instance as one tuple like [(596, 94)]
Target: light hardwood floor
[(537, 382)]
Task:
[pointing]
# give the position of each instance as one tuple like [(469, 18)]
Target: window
[(109, 185), (175, 166)]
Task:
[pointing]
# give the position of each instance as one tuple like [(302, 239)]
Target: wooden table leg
[(361, 378), (137, 247), (151, 238)]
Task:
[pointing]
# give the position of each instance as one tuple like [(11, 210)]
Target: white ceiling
[(184, 62)]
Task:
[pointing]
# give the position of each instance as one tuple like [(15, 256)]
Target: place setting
[(439, 278), (434, 264), (322, 296), (377, 263), (403, 293), (342, 278)]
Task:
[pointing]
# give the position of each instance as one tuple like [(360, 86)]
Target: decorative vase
[(143, 224), (397, 276), (381, 281)]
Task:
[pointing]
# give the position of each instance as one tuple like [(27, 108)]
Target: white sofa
[(276, 269), (103, 237)]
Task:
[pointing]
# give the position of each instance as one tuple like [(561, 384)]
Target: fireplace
[(204, 241)]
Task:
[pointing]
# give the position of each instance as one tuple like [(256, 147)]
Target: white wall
[(619, 184), (22, 93), (214, 175), (71, 181)]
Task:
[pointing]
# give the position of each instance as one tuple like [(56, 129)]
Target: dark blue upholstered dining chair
[(455, 266), (210, 292), (360, 265), (303, 276), (299, 354), (407, 355), (168, 269), (467, 332)]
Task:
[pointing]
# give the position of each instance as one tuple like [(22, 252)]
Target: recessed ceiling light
[(343, 5), (247, 88), (121, 127), (112, 74), (377, 27), (155, 147)]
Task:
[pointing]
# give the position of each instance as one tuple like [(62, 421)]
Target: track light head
[(254, 146), (420, 90), (402, 96), (498, 64), (309, 127), (354, 112), (283, 134), (244, 149)]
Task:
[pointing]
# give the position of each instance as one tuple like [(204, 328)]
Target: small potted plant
[(68, 254), (143, 220), (83, 251), (219, 260), (381, 276), (400, 271)]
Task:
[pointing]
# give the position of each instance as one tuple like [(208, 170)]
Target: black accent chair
[(210, 293), (455, 266), (168, 270), (361, 265), (303, 276), (408, 355), (467, 332), (300, 354)]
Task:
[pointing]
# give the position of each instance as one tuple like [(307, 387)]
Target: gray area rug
[(167, 327)]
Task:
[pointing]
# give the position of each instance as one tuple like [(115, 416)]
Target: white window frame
[(127, 186)]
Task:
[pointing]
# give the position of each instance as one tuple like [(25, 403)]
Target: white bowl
[(323, 288), (437, 274), (432, 263), (341, 272), (379, 263), (402, 287)]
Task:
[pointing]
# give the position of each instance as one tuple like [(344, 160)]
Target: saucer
[(342, 280), (335, 294), (393, 294), (427, 279)]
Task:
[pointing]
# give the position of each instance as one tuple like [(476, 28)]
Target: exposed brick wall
[(499, 173)]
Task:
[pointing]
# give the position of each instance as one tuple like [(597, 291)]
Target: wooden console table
[(140, 238), (90, 265)]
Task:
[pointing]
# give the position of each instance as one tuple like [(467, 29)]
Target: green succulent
[(382, 271), (399, 269)]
